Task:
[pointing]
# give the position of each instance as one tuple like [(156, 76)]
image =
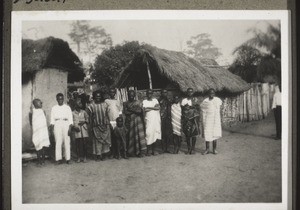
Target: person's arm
[(89, 111), (156, 107), (52, 120), (76, 124), (147, 109), (182, 103), (120, 108), (87, 120), (274, 104), (203, 111), (70, 118), (169, 111), (30, 118), (86, 117), (126, 111), (138, 108), (144, 109), (220, 107), (107, 115)]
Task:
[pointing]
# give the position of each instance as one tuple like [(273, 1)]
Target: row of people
[(132, 130)]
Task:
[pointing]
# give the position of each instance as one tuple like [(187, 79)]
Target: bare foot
[(141, 155), (154, 153), (215, 152), (59, 162), (205, 152)]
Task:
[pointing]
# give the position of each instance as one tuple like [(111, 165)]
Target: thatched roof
[(50, 53), (208, 62), (181, 70)]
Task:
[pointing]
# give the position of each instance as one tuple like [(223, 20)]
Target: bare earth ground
[(247, 169)]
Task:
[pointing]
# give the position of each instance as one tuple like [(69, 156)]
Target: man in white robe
[(211, 120)]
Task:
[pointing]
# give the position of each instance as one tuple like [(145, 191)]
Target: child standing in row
[(40, 135), (120, 133), (80, 127)]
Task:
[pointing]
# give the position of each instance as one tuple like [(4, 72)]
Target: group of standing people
[(125, 130)]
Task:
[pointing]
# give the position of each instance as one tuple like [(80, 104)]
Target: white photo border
[(16, 101)]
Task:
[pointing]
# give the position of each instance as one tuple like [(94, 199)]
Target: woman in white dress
[(152, 121), (211, 120)]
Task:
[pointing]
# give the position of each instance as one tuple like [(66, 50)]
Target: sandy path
[(247, 169)]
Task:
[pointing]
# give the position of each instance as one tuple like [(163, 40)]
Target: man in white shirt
[(61, 123), (276, 106)]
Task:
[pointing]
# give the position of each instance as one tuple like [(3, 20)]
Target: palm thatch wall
[(170, 68), (50, 53)]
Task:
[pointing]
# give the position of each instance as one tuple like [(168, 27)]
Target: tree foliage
[(89, 40), (270, 41), (201, 47), (245, 64), (111, 62), (259, 58)]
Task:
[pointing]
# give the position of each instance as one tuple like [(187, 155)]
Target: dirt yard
[(247, 169)]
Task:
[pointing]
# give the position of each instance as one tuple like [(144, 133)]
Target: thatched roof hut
[(50, 53), (161, 68), (48, 65)]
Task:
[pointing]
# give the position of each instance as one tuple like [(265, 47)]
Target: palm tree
[(266, 46), (268, 41)]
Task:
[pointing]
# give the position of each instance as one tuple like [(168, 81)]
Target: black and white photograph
[(169, 110)]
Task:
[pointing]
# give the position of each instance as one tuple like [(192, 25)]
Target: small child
[(80, 127), (120, 136), (40, 135), (176, 123)]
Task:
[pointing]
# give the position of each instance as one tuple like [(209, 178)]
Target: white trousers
[(61, 138)]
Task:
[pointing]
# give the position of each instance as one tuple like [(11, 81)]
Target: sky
[(165, 34)]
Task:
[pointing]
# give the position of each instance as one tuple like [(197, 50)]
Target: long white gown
[(152, 122), (211, 118), (40, 135)]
